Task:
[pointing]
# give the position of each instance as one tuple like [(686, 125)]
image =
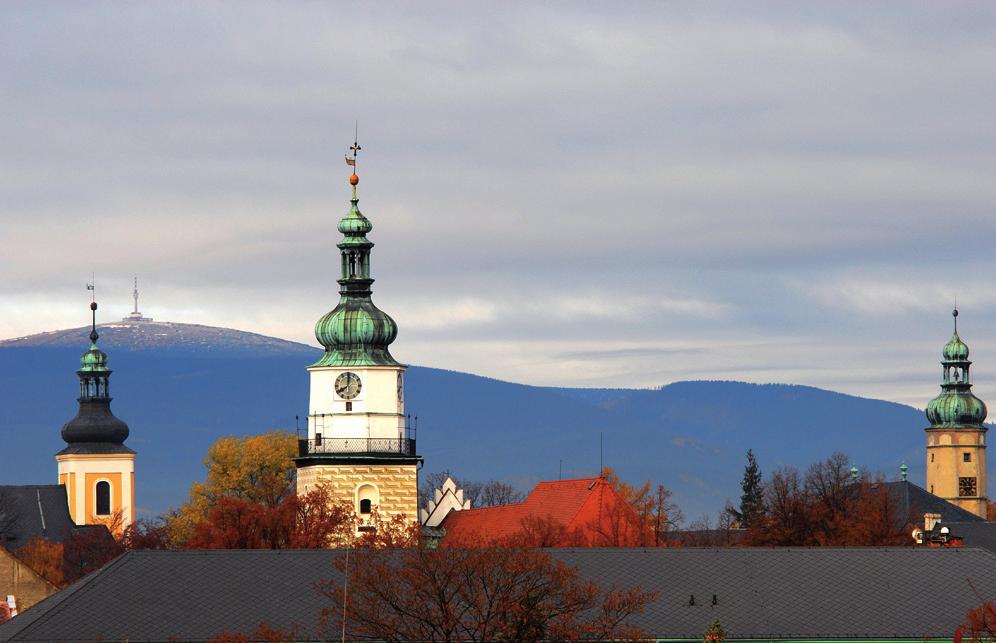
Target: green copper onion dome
[(956, 406), (94, 360), (354, 223), (955, 350), (355, 332)]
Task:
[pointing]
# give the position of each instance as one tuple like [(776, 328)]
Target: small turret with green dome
[(355, 332), (956, 405), (93, 362)]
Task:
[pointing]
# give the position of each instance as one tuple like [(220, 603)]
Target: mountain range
[(181, 386)]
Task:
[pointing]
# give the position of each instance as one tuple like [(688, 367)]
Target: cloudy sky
[(586, 194)]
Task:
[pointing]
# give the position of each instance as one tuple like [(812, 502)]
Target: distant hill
[(181, 386), (164, 336)]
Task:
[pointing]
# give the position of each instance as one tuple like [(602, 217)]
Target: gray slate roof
[(913, 499), (975, 533), (27, 511), (781, 593)]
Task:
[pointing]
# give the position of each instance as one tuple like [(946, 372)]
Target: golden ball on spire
[(353, 179)]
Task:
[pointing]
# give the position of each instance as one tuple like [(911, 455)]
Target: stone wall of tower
[(396, 485), (946, 449)]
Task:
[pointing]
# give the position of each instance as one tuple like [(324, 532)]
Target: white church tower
[(360, 443)]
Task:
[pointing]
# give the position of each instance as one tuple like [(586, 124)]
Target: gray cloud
[(774, 191)]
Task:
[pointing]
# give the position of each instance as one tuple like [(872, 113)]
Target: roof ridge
[(567, 480), (588, 498)]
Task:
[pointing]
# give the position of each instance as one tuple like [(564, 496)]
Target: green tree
[(752, 499)]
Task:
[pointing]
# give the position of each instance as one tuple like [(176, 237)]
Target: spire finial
[(135, 295), (902, 470), (954, 313), (93, 310), (354, 148)]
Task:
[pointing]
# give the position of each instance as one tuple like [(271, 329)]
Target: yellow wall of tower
[(396, 485), (80, 475), (946, 449)]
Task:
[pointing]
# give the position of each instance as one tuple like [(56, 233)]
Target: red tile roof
[(583, 506)]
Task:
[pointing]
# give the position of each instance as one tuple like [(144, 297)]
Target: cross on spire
[(354, 148)]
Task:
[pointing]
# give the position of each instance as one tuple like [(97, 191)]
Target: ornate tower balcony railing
[(320, 445)]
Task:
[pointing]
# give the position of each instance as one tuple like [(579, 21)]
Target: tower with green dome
[(96, 467), (956, 437), (360, 443)]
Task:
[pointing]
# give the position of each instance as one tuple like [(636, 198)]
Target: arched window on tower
[(367, 498), (103, 500)]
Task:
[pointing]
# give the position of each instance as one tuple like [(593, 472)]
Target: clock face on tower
[(348, 385)]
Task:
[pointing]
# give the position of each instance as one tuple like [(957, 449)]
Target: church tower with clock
[(360, 443), (956, 437)]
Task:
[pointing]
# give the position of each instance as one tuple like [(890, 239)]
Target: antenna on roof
[(560, 471), (601, 464)]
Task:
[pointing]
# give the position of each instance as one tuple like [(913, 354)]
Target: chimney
[(929, 520), (12, 605)]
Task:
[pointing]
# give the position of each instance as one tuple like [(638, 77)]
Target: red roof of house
[(582, 505)]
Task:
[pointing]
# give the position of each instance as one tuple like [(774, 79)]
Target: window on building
[(931, 457), (103, 498), (966, 457), (967, 487), (349, 406), (367, 498)]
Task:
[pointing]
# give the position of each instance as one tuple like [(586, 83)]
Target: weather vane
[(355, 147), (92, 288)]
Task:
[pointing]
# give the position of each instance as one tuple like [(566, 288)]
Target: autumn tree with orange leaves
[(483, 594), (980, 624), (654, 518), (827, 507), (311, 521)]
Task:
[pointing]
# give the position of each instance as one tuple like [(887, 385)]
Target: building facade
[(360, 443), (956, 437), (96, 468)]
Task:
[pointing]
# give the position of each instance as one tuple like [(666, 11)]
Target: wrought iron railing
[(321, 424), (356, 446), (326, 422)]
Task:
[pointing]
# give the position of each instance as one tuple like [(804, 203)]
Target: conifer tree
[(752, 499)]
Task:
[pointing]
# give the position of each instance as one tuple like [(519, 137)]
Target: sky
[(574, 194)]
